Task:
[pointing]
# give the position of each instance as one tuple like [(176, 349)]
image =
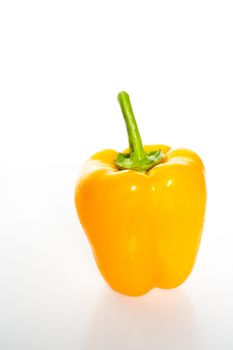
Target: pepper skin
[(144, 227)]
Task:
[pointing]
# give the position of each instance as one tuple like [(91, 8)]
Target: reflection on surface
[(162, 319)]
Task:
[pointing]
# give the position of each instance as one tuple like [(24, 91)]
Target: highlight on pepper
[(143, 211)]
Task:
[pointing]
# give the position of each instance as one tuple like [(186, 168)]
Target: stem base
[(129, 161)]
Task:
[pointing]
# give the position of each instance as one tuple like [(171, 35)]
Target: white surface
[(61, 65)]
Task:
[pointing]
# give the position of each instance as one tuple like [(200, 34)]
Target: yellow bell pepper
[(142, 211)]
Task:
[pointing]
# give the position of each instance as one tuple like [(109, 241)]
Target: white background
[(62, 64)]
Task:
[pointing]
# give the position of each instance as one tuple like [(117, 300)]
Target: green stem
[(137, 159), (135, 141)]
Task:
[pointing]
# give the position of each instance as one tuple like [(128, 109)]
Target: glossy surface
[(144, 229)]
